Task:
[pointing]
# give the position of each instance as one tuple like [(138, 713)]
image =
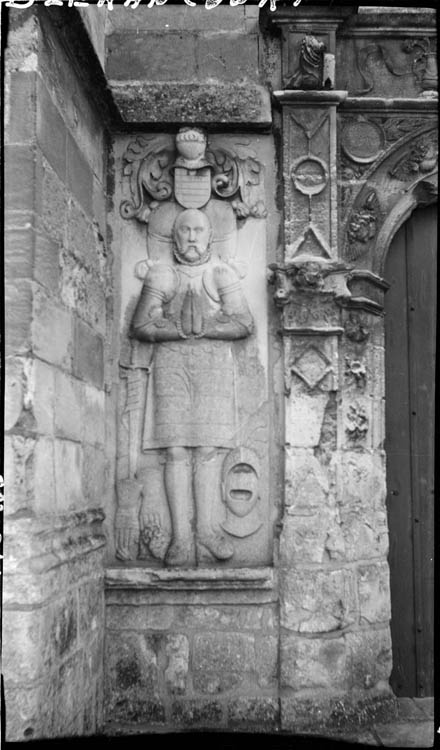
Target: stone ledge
[(321, 97), (190, 579), (206, 103), (389, 105)]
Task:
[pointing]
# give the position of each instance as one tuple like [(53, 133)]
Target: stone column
[(334, 603)]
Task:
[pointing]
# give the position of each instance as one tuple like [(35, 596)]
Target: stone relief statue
[(180, 415)]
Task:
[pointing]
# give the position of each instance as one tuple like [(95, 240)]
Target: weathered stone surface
[(374, 593), (19, 177), (142, 617), (68, 399), (20, 126), (317, 715), (304, 418), (233, 618), (88, 355), (253, 713), (221, 660), (79, 176), (318, 601), (94, 468), (44, 495), (364, 536), (52, 205), (132, 677), (93, 415), (51, 331), (176, 671), (313, 663), (266, 660), (193, 103), (196, 713), (80, 238), (183, 19), (18, 304), (306, 483), (91, 607), (64, 626), (130, 53), (227, 57), (26, 648), (83, 291), (51, 130), (18, 452), (68, 458), (361, 478), (406, 735), (311, 538), (370, 657)]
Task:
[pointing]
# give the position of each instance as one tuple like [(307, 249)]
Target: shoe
[(179, 556), (216, 544)]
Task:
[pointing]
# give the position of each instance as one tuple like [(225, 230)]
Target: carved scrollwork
[(148, 161), (159, 170), (422, 64), (398, 127), (421, 157)]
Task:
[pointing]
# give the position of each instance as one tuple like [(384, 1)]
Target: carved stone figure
[(192, 310), (309, 73), (185, 404)]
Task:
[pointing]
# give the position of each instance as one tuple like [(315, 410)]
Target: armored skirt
[(191, 395)]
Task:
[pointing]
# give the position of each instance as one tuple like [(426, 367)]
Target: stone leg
[(178, 490), (206, 484)]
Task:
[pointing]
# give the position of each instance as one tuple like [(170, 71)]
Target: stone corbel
[(367, 291), (306, 290)]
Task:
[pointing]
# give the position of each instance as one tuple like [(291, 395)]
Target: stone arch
[(423, 192), (387, 197)]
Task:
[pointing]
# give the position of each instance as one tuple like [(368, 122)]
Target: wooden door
[(410, 350)]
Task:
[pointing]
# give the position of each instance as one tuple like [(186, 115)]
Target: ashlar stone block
[(221, 660), (306, 483), (304, 418), (132, 676), (374, 593), (317, 601), (303, 538), (177, 654), (370, 657), (68, 471), (313, 663), (51, 331)]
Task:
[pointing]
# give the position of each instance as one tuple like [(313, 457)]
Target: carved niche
[(192, 465)]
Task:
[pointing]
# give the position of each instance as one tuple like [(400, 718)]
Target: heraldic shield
[(192, 187)]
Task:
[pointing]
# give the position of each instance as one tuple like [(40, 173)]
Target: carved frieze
[(184, 417), (415, 58)]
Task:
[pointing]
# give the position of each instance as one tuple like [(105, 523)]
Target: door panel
[(410, 351)]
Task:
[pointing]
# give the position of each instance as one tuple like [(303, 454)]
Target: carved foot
[(216, 545), (179, 555)]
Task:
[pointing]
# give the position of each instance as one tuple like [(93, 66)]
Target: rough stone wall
[(185, 660), (58, 450)]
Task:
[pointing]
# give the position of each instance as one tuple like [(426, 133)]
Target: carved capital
[(307, 275)]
